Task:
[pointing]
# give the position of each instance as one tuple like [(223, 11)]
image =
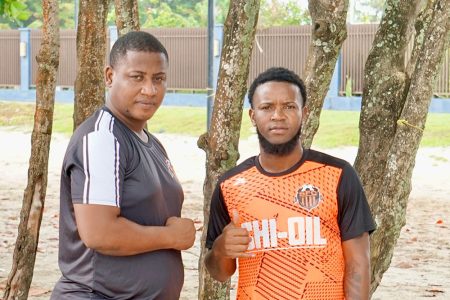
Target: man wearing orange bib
[(297, 220)]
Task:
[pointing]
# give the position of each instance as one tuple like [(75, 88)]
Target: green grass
[(337, 128), (437, 131), (188, 120), (16, 114)]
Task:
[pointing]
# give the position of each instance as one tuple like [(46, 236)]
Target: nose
[(148, 89), (278, 114)]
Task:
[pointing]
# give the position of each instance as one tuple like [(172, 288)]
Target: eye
[(137, 77), (159, 79), (290, 106)]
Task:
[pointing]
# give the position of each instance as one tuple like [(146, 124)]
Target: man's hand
[(182, 232), (231, 244), (234, 240)]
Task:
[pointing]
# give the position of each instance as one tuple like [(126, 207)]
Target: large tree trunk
[(91, 49), (221, 142), (394, 111), (127, 16), (385, 88), (21, 274), (329, 31)]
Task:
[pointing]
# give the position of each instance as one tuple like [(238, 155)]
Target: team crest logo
[(308, 197), (170, 168)]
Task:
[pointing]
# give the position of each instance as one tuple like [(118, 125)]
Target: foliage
[(155, 13), (13, 11), (28, 13), (178, 13), (194, 13), (337, 128), (348, 86), (282, 13), (366, 11)]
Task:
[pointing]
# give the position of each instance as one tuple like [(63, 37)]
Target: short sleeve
[(354, 215), (95, 168), (218, 217)]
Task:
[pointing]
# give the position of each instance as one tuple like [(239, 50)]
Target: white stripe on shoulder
[(101, 163), (117, 172), (100, 115), (86, 168), (105, 121), (111, 124)]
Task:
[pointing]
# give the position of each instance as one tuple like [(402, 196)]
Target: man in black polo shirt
[(120, 227)]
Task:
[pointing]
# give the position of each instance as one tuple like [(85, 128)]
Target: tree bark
[(329, 31), (395, 107), (127, 16), (91, 49), (21, 274), (385, 88), (221, 142)]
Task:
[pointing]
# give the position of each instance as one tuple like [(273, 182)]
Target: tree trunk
[(393, 116), (329, 31), (21, 274), (127, 16), (221, 142), (91, 49), (385, 88)]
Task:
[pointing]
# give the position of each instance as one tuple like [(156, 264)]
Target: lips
[(278, 129), (146, 103)]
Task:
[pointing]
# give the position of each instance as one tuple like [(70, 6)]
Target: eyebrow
[(142, 72), (284, 101)]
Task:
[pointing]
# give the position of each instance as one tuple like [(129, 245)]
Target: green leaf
[(13, 11), (18, 5)]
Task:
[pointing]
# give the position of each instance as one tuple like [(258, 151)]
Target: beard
[(279, 149)]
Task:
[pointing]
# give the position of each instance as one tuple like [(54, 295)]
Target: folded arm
[(103, 229)]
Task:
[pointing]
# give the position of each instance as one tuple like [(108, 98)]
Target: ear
[(251, 114), (108, 76), (305, 112)]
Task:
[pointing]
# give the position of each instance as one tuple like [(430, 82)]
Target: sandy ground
[(420, 267)]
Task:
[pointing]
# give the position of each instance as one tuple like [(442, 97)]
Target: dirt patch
[(420, 266)]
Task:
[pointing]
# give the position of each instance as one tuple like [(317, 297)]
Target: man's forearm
[(220, 268), (356, 281), (357, 267), (102, 229), (125, 237)]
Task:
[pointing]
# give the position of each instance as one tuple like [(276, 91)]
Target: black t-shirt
[(108, 164)]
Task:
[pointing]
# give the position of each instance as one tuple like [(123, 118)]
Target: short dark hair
[(135, 41), (278, 74)]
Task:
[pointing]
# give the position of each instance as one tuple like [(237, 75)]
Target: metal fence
[(279, 46), (9, 58), (354, 53)]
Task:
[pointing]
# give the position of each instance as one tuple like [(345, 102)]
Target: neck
[(276, 164), (142, 135)]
